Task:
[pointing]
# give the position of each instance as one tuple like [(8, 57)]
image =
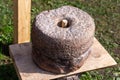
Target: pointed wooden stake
[(64, 23)]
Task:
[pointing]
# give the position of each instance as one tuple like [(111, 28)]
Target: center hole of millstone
[(64, 23)]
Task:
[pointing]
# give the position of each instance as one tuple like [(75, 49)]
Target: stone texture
[(58, 49)]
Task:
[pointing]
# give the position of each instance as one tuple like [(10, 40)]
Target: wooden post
[(22, 10)]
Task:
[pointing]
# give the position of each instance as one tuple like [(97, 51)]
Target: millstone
[(61, 39)]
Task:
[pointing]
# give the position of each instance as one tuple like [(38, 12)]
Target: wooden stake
[(22, 21), (64, 23)]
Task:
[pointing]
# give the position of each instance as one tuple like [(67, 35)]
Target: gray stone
[(58, 49)]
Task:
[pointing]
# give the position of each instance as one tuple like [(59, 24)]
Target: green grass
[(107, 19)]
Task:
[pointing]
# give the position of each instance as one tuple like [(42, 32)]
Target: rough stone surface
[(57, 49)]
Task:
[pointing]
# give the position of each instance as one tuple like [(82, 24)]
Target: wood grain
[(22, 21), (27, 70)]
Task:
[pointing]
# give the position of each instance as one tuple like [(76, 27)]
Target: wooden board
[(22, 10), (27, 70)]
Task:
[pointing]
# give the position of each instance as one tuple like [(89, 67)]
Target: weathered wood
[(27, 70), (72, 77), (22, 21)]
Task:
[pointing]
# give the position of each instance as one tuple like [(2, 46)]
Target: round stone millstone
[(61, 39)]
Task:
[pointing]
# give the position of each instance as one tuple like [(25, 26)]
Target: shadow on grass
[(7, 72), (5, 48)]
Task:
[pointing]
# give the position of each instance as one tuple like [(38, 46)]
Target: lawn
[(107, 19)]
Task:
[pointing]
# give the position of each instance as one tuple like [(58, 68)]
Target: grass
[(107, 19)]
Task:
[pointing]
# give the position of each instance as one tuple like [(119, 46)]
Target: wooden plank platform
[(27, 70)]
